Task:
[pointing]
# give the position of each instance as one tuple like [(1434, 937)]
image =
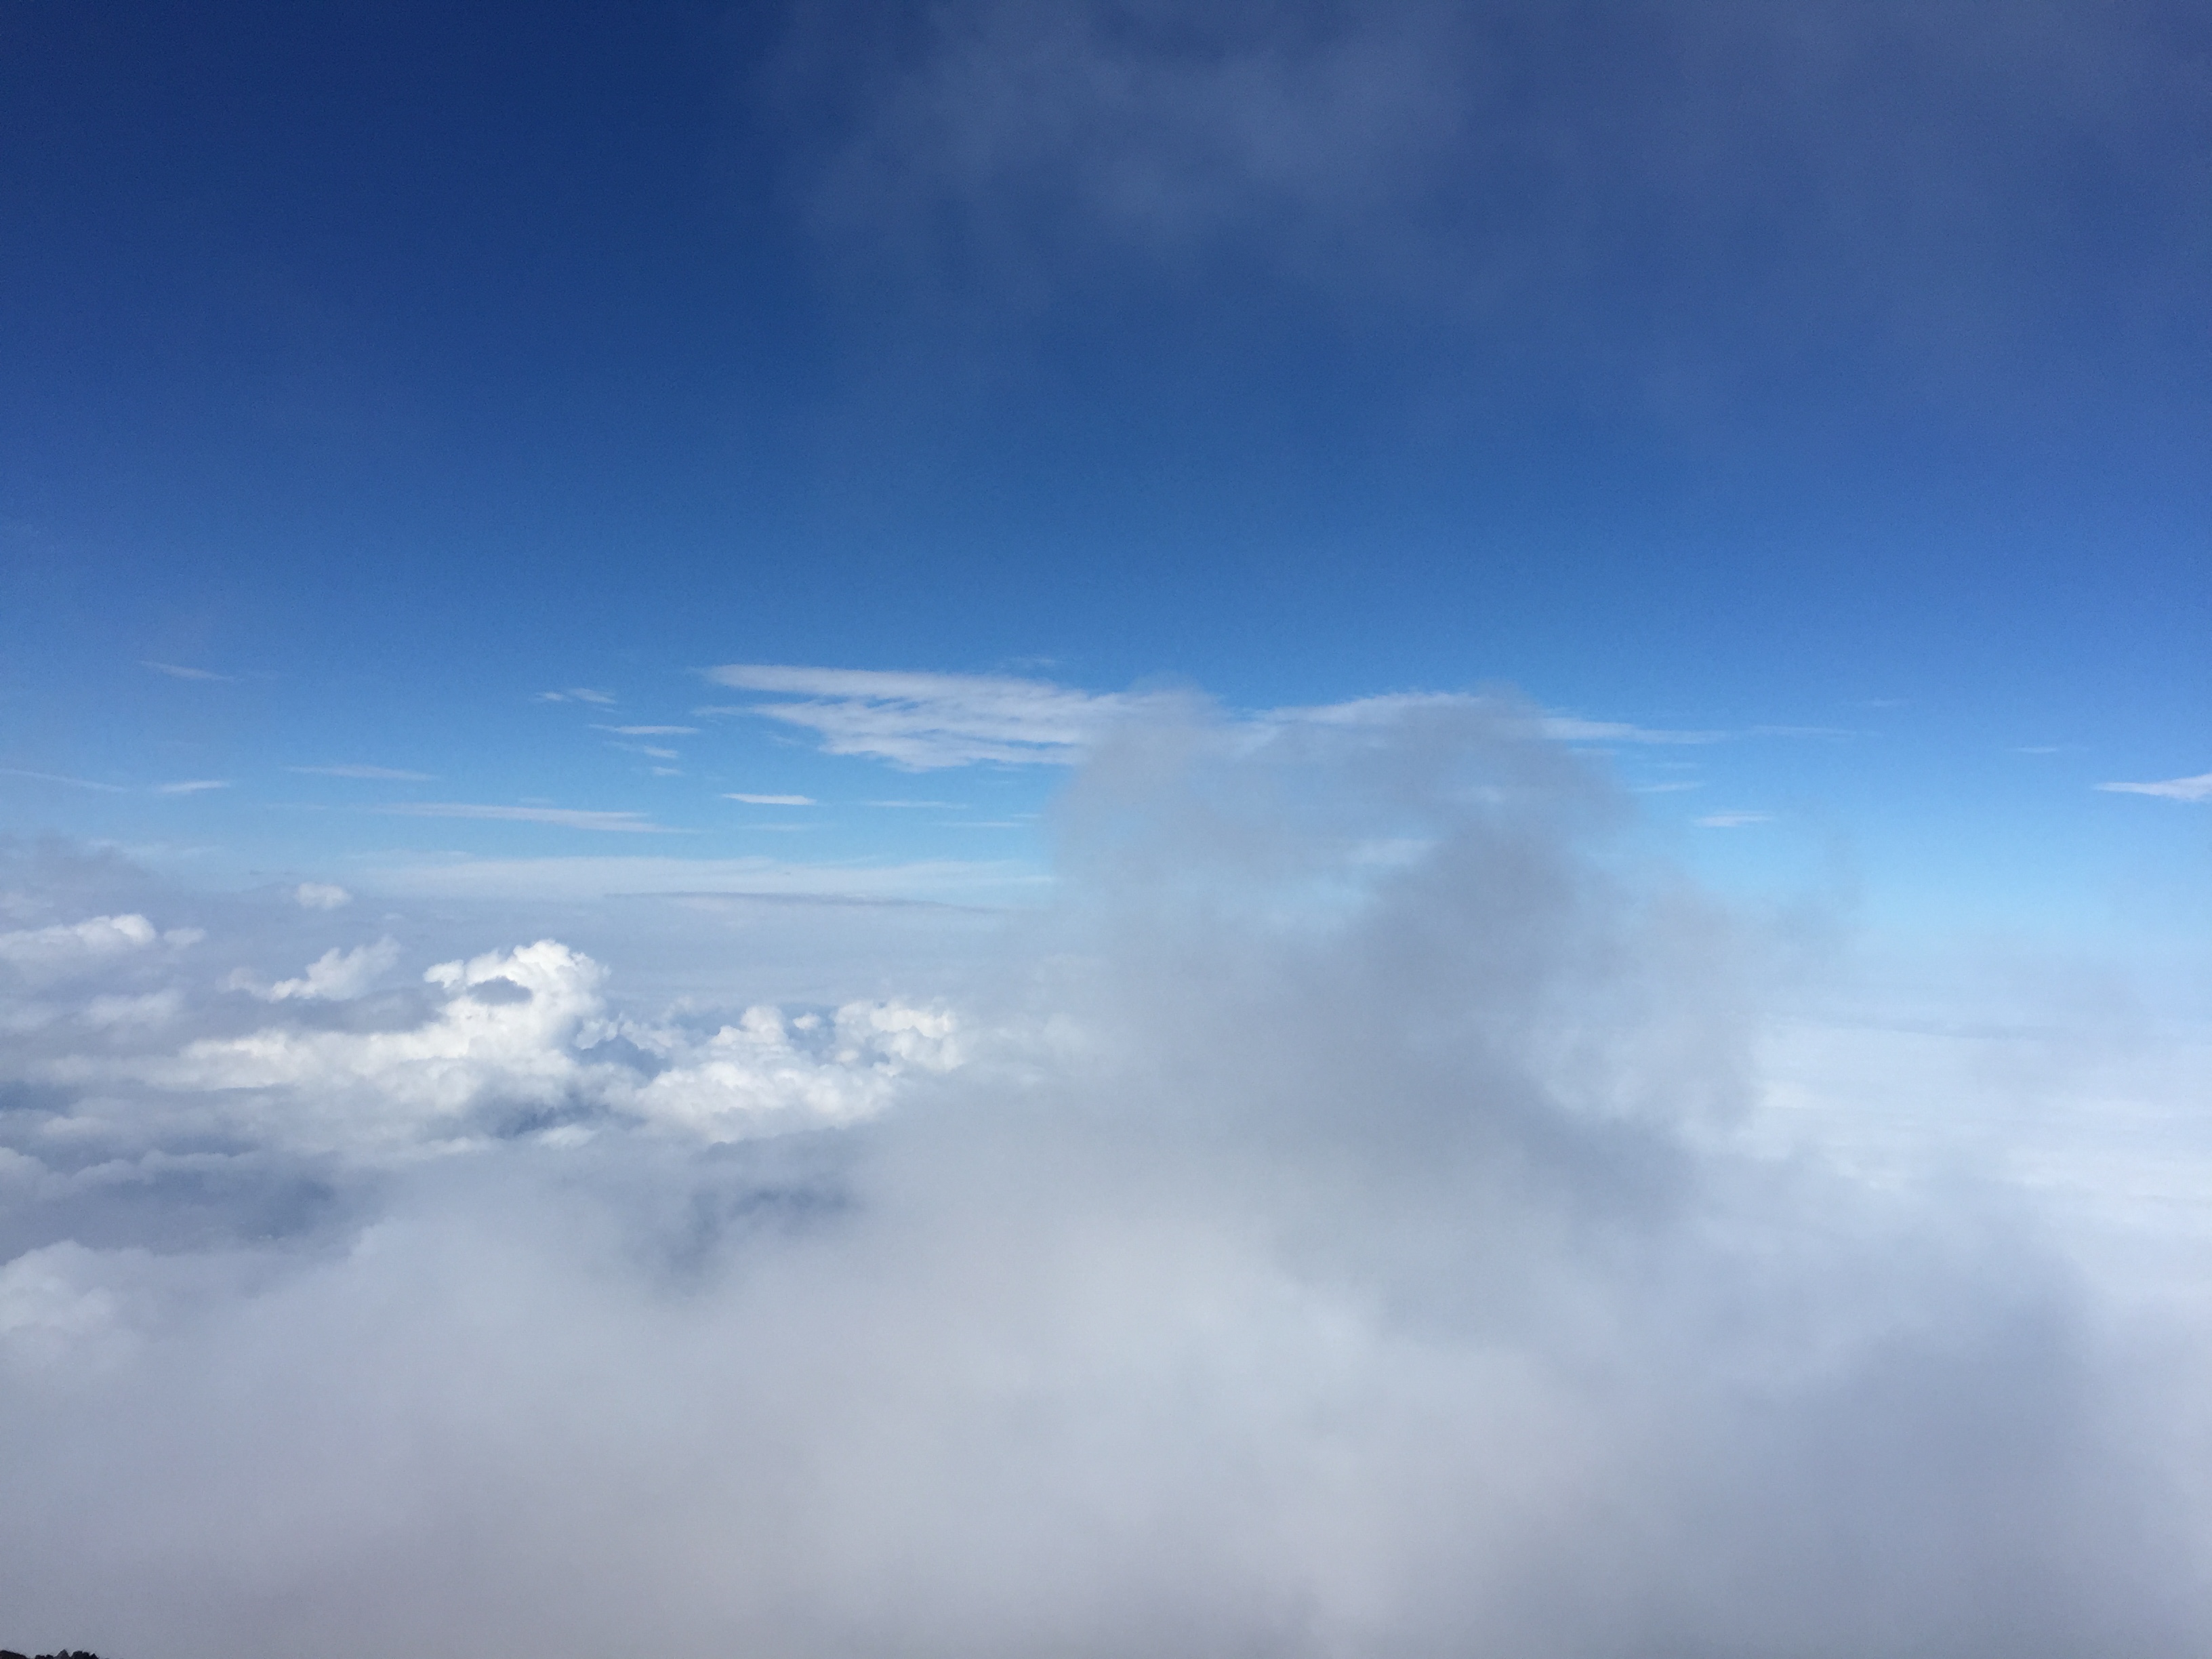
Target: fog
[(1375, 1207)]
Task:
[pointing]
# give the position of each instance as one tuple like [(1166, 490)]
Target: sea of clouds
[(1368, 1211)]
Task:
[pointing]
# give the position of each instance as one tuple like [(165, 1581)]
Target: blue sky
[(1834, 380)]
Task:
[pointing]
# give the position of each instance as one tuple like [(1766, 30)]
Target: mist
[(1356, 1215)]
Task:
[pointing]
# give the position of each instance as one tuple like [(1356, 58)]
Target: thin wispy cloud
[(926, 721), (774, 801), (923, 722), (1733, 820), (2196, 788), (372, 774), (192, 786), (635, 823), (179, 672), (578, 694), (60, 778), (649, 731)]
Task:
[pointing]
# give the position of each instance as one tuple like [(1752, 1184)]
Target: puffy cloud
[(766, 1071), (335, 975)]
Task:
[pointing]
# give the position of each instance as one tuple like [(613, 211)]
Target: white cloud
[(178, 673), (775, 800), (1434, 1267), (2196, 788), (924, 721), (505, 1030), (578, 694), (1733, 820), (514, 1029), (626, 823), (377, 774), (766, 1071), (321, 896), (1391, 709), (959, 880), (192, 786), (68, 942), (335, 976)]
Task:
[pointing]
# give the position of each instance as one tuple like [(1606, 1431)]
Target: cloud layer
[(1335, 1229)]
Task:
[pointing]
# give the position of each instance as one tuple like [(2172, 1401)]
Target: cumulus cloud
[(1290, 1248), (2196, 788), (335, 975)]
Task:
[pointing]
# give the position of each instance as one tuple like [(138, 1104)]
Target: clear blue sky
[(1833, 378)]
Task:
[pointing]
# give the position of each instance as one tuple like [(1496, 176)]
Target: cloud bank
[(1295, 1248)]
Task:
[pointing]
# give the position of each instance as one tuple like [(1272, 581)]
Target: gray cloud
[(1286, 1248)]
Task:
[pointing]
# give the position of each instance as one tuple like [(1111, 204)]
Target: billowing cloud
[(1357, 1219), (2196, 788)]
